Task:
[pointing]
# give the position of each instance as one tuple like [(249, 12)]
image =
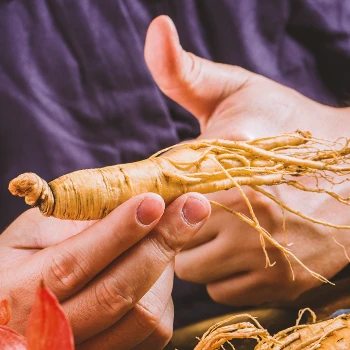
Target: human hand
[(230, 102), (113, 277)]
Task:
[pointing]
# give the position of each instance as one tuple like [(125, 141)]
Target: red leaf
[(5, 312), (48, 327), (11, 340)]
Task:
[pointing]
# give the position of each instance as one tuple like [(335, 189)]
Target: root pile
[(332, 334)]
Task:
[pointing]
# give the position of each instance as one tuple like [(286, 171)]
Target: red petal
[(5, 312), (48, 327), (11, 340)]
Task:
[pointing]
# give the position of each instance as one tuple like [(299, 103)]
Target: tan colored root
[(332, 334), (221, 333), (202, 166)]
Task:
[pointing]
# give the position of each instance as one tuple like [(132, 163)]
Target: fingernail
[(194, 211), (149, 210)]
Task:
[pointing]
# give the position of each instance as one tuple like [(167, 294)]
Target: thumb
[(195, 83)]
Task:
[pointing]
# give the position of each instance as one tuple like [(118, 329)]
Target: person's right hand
[(235, 104), (113, 277)]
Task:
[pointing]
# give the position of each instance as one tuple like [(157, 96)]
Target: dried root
[(332, 334), (202, 166)]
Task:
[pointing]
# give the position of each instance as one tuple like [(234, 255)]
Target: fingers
[(115, 291), (240, 290), (218, 218), (158, 339), (260, 285), (255, 288), (222, 248), (151, 317), (228, 255), (210, 262), (161, 336), (74, 262), (225, 245), (32, 230), (195, 83), (220, 259)]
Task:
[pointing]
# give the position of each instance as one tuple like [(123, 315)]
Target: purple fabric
[(75, 91)]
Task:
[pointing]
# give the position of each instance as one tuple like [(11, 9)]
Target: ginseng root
[(202, 166), (332, 334)]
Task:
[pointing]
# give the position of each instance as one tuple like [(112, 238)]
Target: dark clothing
[(75, 91)]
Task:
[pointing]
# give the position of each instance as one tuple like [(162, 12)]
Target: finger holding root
[(332, 334), (202, 166)]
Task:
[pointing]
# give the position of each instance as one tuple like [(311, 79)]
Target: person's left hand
[(113, 277), (233, 103)]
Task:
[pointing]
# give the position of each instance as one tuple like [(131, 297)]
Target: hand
[(113, 277), (233, 103)]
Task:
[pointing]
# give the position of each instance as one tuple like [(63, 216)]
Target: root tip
[(36, 191), (24, 184)]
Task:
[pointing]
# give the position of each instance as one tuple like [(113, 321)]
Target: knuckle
[(262, 204), (111, 299), (238, 134), (216, 295), (166, 242), (202, 269), (64, 272), (184, 272), (149, 317), (192, 76), (163, 333), (258, 199), (173, 236), (180, 269), (157, 318), (240, 77), (290, 296), (242, 74), (296, 287)]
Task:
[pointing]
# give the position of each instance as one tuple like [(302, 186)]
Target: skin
[(120, 298), (233, 103)]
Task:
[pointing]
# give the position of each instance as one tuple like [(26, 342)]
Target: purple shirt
[(75, 91)]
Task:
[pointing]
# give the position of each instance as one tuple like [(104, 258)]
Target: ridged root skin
[(93, 193), (202, 166), (332, 334)]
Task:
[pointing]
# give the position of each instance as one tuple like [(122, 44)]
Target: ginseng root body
[(199, 166), (93, 193), (202, 166), (196, 167)]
